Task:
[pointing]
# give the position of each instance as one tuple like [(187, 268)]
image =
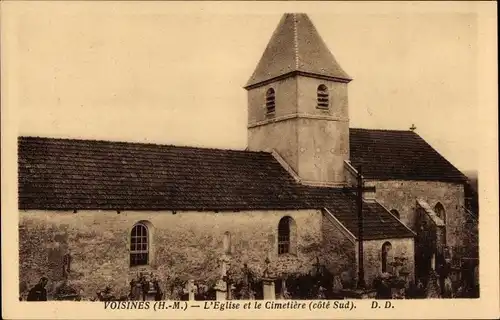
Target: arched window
[(439, 210), (139, 245), (386, 247), (227, 242), (285, 235), (323, 97), (270, 100), (395, 213)]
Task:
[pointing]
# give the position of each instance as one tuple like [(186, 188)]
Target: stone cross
[(66, 266), (246, 275), (246, 290), (317, 266), (224, 265), (266, 272), (359, 189)]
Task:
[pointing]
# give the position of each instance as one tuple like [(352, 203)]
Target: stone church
[(119, 208)]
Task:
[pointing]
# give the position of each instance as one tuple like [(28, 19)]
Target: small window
[(386, 247), (439, 210), (284, 227), (139, 245), (323, 97), (227, 242), (270, 101), (395, 213)]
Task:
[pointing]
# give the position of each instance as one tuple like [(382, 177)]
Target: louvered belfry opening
[(270, 100), (323, 97), (139, 245)]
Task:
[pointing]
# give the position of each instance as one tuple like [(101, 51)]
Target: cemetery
[(319, 284)]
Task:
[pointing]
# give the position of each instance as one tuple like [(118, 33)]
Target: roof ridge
[(135, 143), (388, 130), (296, 41), (440, 155)]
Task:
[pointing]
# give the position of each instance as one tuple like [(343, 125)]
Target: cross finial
[(413, 128)]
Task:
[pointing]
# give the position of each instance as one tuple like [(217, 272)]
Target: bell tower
[(297, 103)]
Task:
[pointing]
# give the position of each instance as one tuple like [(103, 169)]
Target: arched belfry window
[(395, 213), (270, 100), (386, 248), (323, 97), (439, 210), (139, 245), (286, 235)]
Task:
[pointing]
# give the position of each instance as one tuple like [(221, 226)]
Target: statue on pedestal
[(246, 291)]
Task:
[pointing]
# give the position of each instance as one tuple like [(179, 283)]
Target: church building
[(119, 208)]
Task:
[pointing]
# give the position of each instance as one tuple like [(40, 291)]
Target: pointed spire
[(296, 46)]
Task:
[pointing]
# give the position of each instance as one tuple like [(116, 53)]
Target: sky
[(174, 74)]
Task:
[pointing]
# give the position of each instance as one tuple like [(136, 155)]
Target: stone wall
[(280, 136), (372, 250), (323, 147), (186, 245), (402, 195), (338, 249), (307, 97), (285, 99)]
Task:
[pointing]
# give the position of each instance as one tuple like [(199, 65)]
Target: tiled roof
[(296, 46), (378, 223), (64, 174), (398, 155)]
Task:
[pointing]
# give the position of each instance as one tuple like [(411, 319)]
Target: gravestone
[(268, 283), (148, 288), (190, 289), (337, 283), (433, 286), (135, 290), (220, 290), (268, 288), (65, 290)]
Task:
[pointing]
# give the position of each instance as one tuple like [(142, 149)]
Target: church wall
[(402, 195), (285, 98), (281, 136), (372, 250), (323, 147), (338, 250), (308, 98), (186, 245)]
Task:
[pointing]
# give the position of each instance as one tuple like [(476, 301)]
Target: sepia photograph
[(284, 156)]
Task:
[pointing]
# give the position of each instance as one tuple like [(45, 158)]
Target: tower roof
[(296, 46)]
